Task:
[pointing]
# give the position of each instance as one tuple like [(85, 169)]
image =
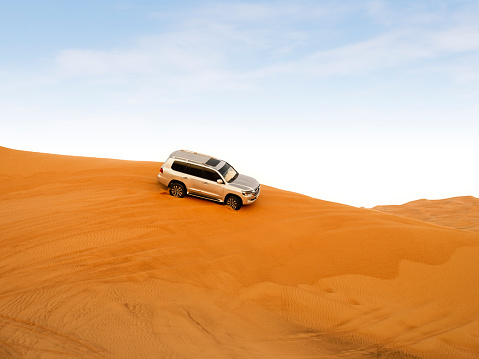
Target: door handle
[(185, 177)]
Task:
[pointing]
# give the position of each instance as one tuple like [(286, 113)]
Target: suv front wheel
[(177, 189), (233, 202)]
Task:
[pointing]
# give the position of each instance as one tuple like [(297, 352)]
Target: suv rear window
[(179, 166)]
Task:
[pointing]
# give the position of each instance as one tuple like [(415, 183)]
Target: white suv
[(186, 172)]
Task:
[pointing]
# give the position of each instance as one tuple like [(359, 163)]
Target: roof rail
[(194, 157), (188, 160), (197, 153)]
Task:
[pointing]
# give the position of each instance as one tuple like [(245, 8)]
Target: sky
[(359, 102)]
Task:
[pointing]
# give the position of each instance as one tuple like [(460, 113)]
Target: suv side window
[(195, 170), (179, 166), (211, 175)]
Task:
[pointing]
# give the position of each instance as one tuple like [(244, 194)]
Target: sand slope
[(98, 261), (456, 212)]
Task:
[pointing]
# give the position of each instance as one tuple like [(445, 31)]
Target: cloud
[(80, 62), (181, 53), (252, 12), (457, 39), (227, 36), (247, 48), (232, 37)]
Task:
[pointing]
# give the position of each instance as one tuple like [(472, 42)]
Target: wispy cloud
[(228, 36), (227, 39), (247, 47)]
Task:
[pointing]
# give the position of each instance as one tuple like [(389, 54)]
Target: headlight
[(247, 193)]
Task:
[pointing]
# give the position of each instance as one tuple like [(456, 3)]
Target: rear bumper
[(163, 180)]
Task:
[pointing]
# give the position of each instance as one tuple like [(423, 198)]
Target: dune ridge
[(98, 261), (456, 212)]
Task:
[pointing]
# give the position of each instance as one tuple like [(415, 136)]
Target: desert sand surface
[(98, 261), (457, 212)]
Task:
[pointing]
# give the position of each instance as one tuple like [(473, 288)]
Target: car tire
[(177, 190), (233, 202)]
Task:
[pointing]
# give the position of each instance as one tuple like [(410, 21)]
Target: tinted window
[(195, 171), (211, 175), (179, 166)]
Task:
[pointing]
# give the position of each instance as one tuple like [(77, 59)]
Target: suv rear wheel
[(233, 202), (177, 189)]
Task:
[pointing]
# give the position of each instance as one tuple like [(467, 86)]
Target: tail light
[(161, 170)]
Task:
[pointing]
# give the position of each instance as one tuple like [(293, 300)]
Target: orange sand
[(98, 261), (457, 212)]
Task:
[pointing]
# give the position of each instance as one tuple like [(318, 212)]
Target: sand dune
[(457, 212), (98, 261)]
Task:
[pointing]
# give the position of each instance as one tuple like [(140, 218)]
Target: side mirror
[(219, 180)]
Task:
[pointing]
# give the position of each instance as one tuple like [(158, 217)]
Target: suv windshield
[(228, 172)]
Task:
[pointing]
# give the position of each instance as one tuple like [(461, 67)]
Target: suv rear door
[(194, 180)]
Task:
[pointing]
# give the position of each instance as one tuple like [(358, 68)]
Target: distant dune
[(458, 212), (98, 261)]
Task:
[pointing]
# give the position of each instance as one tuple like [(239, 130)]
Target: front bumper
[(250, 198)]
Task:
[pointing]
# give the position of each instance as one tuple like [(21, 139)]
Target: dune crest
[(457, 212), (98, 261)]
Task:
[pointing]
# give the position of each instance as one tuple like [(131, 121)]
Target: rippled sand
[(98, 261)]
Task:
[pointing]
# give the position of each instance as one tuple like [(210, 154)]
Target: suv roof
[(195, 157)]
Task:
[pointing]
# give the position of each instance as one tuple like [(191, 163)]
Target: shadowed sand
[(98, 261), (457, 212)]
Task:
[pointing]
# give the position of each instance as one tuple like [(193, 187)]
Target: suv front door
[(211, 188)]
